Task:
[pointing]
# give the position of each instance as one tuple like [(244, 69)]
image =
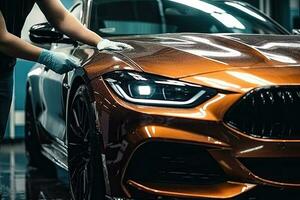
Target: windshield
[(138, 17)]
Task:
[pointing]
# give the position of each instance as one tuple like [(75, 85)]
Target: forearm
[(77, 31), (15, 47), (65, 22)]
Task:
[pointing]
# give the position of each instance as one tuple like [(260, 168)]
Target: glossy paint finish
[(201, 125), (183, 55), (233, 64), (234, 76)]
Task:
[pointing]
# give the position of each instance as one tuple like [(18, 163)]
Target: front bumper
[(127, 127)]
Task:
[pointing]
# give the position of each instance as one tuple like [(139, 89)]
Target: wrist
[(97, 41), (102, 43), (44, 57)]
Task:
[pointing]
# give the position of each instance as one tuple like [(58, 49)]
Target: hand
[(105, 44), (58, 62)]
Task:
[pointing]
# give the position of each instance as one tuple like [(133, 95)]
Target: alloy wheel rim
[(79, 150)]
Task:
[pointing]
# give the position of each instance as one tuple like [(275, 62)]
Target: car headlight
[(146, 89)]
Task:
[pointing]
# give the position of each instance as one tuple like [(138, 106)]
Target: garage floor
[(18, 182)]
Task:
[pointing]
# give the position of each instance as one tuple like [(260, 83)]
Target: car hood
[(187, 54)]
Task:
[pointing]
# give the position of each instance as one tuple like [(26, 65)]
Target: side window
[(77, 11), (126, 17)]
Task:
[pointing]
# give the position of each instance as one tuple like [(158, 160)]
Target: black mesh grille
[(172, 163), (285, 170), (268, 113)]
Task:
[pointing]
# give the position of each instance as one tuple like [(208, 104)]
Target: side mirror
[(45, 33)]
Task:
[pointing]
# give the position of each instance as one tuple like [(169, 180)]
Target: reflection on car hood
[(187, 54)]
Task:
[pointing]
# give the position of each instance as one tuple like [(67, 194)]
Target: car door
[(54, 89)]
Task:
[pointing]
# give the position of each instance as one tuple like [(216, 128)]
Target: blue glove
[(58, 62)]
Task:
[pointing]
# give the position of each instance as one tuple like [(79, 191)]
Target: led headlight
[(146, 89)]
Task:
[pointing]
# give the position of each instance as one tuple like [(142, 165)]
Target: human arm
[(13, 46), (65, 22)]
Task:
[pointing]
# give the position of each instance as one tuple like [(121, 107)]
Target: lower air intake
[(174, 163)]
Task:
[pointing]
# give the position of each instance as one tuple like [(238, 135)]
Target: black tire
[(84, 152), (32, 145)]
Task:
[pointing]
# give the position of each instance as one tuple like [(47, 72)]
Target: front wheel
[(84, 156)]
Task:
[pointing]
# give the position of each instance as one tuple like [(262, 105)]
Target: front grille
[(173, 163), (284, 170), (272, 113)]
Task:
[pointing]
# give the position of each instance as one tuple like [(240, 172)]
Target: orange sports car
[(207, 104)]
